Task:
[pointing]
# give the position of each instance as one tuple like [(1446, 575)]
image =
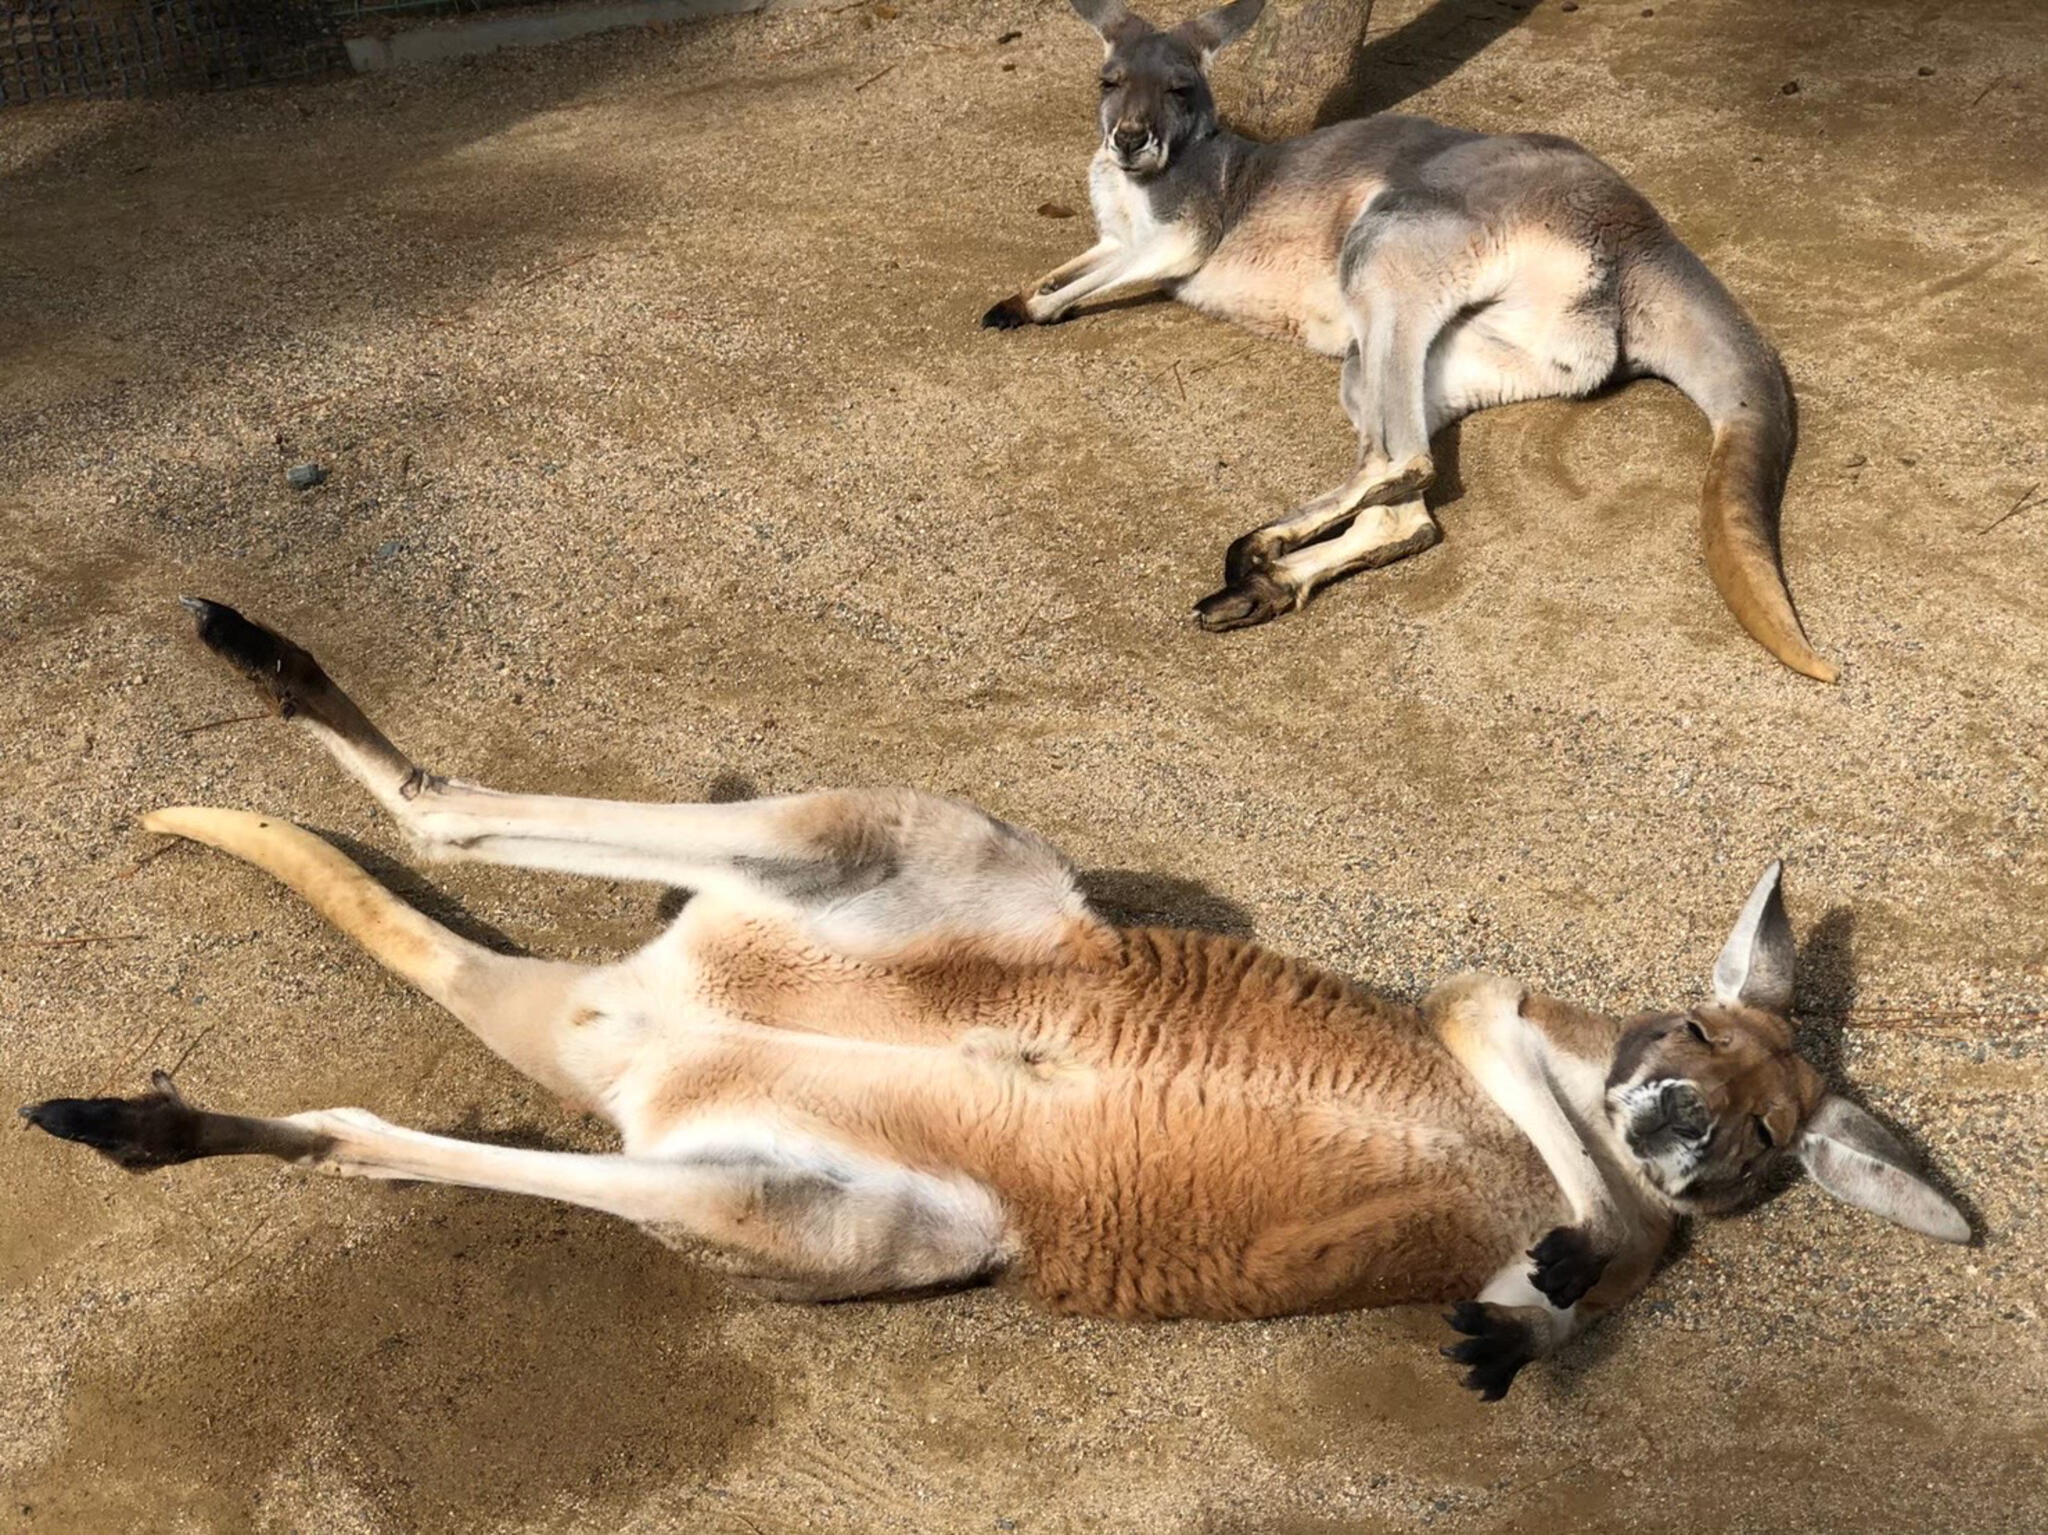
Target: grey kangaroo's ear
[(1211, 31), (1755, 967), (1857, 1159), (1110, 19)]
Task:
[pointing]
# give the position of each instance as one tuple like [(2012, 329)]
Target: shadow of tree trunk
[(1310, 63)]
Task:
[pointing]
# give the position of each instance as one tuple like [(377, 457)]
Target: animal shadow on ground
[(1826, 1000), (463, 1362), (1139, 898), (405, 882)]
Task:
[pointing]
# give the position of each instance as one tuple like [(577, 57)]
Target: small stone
[(304, 476), (1854, 461), (1009, 37), (1569, 5), (1648, 12), (1926, 70), (1055, 211), (1789, 88), (1007, 68), (387, 550)]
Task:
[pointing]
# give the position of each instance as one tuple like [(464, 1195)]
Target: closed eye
[(1763, 1133)]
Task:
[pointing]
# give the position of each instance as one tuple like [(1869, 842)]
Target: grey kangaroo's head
[(1707, 1099), (1155, 85)]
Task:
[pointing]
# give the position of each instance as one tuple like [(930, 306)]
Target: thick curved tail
[(400, 937), (511, 1002), (1685, 327)]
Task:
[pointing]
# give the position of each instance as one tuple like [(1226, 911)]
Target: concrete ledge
[(486, 34)]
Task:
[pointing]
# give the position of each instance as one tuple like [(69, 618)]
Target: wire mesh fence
[(55, 48)]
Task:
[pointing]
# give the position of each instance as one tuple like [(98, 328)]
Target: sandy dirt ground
[(665, 455)]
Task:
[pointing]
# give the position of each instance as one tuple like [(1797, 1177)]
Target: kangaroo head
[(1706, 1100), (1155, 85)]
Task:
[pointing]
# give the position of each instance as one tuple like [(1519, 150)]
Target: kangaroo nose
[(1685, 1111), (1128, 140)]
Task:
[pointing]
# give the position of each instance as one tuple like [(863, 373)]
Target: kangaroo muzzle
[(1136, 147)]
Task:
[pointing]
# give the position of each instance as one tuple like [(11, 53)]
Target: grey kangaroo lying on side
[(887, 1045), (1451, 271)]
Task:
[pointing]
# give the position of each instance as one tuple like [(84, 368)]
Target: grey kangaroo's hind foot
[(1006, 314), (1262, 587), (1451, 271)]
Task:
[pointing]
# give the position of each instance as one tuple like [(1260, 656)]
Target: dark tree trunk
[(1295, 61)]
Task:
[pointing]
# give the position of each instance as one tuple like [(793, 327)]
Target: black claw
[(1499, 1346), (1566, 1266)]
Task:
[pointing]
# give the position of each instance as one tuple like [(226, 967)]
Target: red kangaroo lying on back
[(888, 1046)]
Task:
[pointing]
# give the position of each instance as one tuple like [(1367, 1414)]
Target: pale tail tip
[(171, 821)]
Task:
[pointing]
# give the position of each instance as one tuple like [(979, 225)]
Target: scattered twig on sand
[(150, 857), (1177, 381), (2025, 503), (549, 271), (127, 1063), (186, 1054), (1902, 1017), (1996, 82), (243, 1250), (232, 719), (1219, 362), (871, 79), (81, 939)]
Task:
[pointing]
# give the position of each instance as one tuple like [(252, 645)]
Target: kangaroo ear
[(1109, 18), (1211, 31), (1755, 967), (1857, 1159)]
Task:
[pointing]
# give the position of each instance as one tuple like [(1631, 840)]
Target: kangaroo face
[(1706, 1100), (1155, 102), (1155, 84)]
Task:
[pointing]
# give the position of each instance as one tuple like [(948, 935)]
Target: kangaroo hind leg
[(799, 1219), (864, 867), (1409, 265)]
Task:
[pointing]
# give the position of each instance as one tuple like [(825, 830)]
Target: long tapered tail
[(1685, 327), (403, 939)]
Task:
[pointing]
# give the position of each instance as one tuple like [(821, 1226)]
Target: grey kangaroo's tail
[(1685, 327)]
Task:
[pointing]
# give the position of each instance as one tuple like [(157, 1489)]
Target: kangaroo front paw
[(1006, 314), (1498, 1344), (1565, 1265), (1257, 599)]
